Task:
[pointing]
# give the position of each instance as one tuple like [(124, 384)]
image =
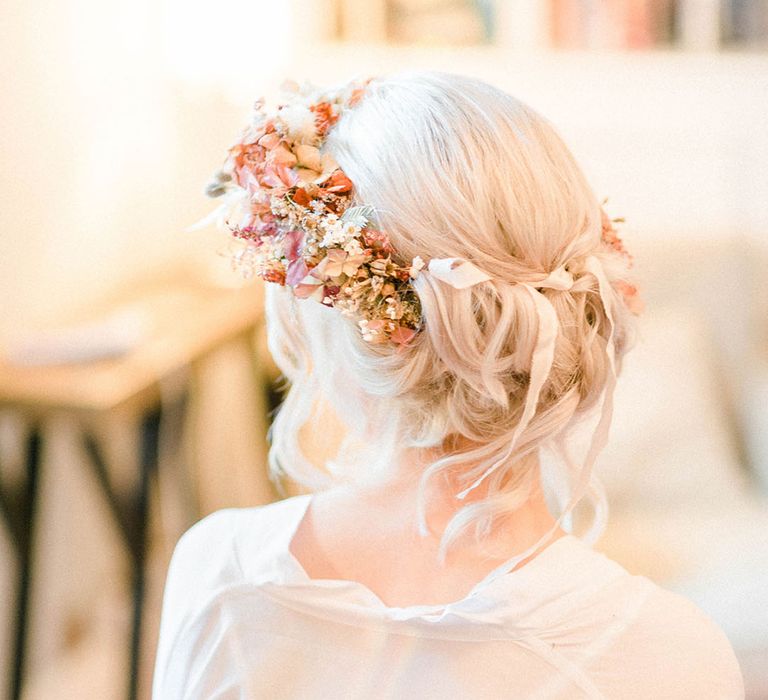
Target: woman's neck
[(392, 501)]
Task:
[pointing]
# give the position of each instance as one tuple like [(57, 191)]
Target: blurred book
[(425, 22), (745, 24), (614, 25), (611, 24), (645, 24)]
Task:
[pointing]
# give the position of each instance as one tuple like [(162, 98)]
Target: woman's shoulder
[(688, 634), (637, 638), (228, 523), (219, 552), (207, 564), (225, 547), (674, 649)]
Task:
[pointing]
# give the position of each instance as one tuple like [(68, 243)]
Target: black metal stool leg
[(132, 514), (132, 517), (19, 507), (150, 445)]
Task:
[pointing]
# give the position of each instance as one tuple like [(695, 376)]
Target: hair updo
[(455, 167)]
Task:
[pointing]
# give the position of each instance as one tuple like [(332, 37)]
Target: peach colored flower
[(279, 176), (402, 336), (313, 166), (310, 288), (338, 262), (247, 164), (280, 155), (269, 140)]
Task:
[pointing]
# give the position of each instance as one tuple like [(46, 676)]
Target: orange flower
[(338, 183), (609, 235), (324, 117), (631, 297), (274, 275), (301, 197)]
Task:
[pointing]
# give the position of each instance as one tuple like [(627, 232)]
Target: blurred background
[(135, 387)]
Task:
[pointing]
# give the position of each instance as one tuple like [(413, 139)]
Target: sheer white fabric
[(242, 619)]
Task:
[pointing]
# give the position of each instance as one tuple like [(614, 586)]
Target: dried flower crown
[(293, 209)]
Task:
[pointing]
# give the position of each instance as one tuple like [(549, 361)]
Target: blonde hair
[(455, 167)]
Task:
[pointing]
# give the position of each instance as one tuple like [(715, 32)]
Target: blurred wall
[(114, 115), (106, 146)]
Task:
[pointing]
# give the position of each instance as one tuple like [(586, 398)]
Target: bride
[(438, 273)]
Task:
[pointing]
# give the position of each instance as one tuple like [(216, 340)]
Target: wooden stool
[(186, 322)]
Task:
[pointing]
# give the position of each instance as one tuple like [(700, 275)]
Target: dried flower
[(300, 224), (610, 238)]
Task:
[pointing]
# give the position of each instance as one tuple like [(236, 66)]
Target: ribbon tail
[(541, 364), (599, 500), (586, 481)]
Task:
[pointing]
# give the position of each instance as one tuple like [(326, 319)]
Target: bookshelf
[(630, 25)]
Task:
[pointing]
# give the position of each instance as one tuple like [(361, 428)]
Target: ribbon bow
[(462, 274), (457, 272), (559, 278)]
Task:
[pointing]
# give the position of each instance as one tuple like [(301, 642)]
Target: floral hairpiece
[(610, 237), (292, 207)]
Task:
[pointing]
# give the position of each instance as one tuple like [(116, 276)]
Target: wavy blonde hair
[(454, 168)]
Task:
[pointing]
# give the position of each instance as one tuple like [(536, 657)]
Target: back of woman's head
[(456, 168)]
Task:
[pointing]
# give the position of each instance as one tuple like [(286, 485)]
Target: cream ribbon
[(457, 272), (541, 364), (586, 483), (559, 278), (463, 274)]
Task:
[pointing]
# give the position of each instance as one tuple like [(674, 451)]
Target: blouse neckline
[(298, 575)]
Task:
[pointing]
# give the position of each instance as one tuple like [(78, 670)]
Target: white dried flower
[(297, 121), (416, 266), (353, 247)]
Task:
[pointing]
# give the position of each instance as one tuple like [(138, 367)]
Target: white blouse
[(242, 619)]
